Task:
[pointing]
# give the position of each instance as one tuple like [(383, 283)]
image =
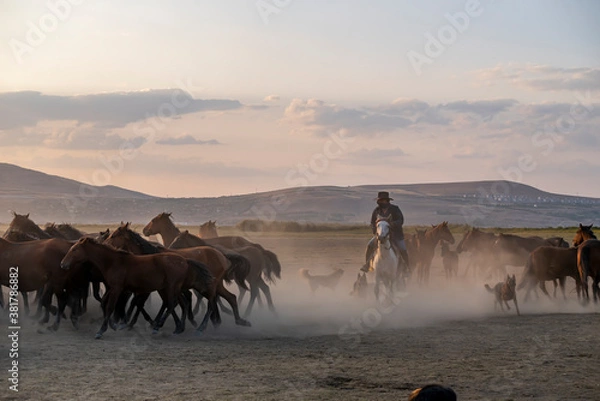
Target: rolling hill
[(479, 203)]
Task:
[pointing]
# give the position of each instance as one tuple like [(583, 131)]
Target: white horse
[(385, 261)]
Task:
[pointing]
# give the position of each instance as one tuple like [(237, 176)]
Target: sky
[(209, 98)]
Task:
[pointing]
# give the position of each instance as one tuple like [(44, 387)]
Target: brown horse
[(450, 261), (38, 264), (53, 232), (427, 245), (127, 239), (64, 231), (588, 260), (22, 227), (123, 271), (262, 262), (479, 244), (162, 225), (549, 263), (209, 230)]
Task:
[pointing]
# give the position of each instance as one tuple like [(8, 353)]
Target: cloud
[(108, 110), (321, 118), (68, 135), (187, 140), (486, 109), (272, 98), (541, 77)]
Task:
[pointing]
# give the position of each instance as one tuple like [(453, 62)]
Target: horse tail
[(527, 272), (272, 267), (490, 289), (304, 273), (584, 264), (239, 269), (203, 275)]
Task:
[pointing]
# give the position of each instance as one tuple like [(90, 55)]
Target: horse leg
[(185, 300), (198, 302), (187, 295), (242, 294), (267, 291), (46, 301), (96, 291), (596, 288), (232, 301), (112, 296), (138, 302), (517, 306), (207, 315), (561, 282), (223, 307), (254, 292), (376, 289), (215, 317), (543, 287), (25, 302), (62, 303)]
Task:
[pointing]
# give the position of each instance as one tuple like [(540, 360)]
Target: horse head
[(383, 230), (443, 232), (583, 233)]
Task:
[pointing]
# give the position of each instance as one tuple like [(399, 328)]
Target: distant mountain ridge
[(18, 181), (479, 203)]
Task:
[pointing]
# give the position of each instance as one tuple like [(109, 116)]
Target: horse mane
[(94, 241), (146, 246), (69, 231)]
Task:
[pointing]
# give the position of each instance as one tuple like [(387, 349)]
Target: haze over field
[(204, 98)]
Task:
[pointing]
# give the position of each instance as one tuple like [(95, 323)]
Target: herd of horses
[(543, 259), (60, 261)]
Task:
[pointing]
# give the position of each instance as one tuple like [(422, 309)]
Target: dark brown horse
[(588, 260), (427, 245), (450, 261), (64, 231), (208, 230), (263, 263), (38, 264), (479, 243), (22, 227), (125, 238), (162, 225), (123, 271), (549, 263)]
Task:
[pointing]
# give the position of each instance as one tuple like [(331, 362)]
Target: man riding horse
[(392, 213)]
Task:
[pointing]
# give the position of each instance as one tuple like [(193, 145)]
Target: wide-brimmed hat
[(383, 195)]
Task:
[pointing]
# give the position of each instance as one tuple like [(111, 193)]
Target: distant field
[(338, 231)]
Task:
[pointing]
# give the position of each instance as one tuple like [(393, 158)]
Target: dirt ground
[(326, 346)]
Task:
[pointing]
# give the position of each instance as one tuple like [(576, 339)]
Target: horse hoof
[(178, 331), (243, 322), (98, 336), (122, 326), (154, 331)]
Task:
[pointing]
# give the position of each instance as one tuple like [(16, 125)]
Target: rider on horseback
[(392, 213)]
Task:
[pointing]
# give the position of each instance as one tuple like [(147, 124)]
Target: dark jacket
[(396, 221)]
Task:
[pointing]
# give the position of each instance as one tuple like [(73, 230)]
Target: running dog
[(329, 281), (504, 292)]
